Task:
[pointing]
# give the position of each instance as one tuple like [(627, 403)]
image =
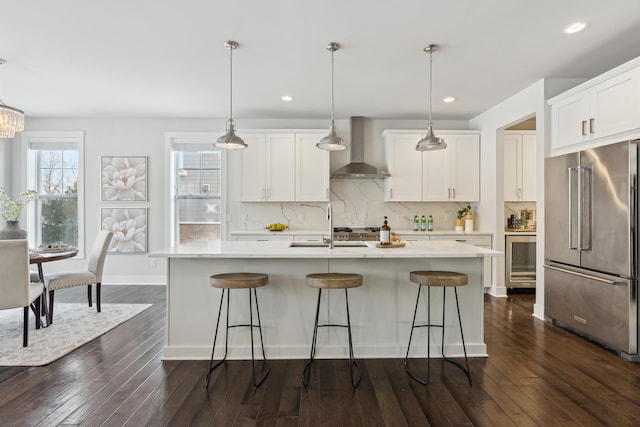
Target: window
[(197, 202), (54, 169)]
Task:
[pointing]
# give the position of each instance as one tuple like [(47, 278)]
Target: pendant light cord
[(332, 102), (231, 83), (430, 84)]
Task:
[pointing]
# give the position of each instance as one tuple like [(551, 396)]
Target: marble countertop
[(280, 249), (290, 232), (520, 233)]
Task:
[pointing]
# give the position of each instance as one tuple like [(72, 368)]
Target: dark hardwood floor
[(537, 374)]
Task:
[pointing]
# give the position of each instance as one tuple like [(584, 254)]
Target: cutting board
[(393, 245)]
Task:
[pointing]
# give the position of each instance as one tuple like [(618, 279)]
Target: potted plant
[(460, 218), (11, 210)]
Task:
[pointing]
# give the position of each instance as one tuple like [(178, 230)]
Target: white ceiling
[(165, 58)]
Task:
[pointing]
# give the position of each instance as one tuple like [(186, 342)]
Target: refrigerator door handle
[(588, 191), (571, 246), (585, 276)]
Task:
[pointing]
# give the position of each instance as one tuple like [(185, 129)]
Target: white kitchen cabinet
[(283, 167), (519, 166), (404, 165), (311, 169), (603, 107), (268, 168), (459, 164), (452, 174)]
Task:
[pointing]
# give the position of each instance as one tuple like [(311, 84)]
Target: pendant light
[(11, 119), (332, 142), (230, 140), (430, 142)]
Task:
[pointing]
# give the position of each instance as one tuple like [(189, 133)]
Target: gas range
[(370, 234)]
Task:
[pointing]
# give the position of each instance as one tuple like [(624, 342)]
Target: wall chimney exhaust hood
[(357, 168)]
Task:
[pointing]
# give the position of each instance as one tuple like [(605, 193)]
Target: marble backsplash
[(354, 202)]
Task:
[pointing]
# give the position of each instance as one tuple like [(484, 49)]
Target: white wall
[(526, 103), (357, 202)]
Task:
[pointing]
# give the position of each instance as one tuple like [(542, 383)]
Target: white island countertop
[(282, 249)]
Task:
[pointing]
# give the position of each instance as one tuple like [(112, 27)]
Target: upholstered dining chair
[(93, 274), (15, 287)]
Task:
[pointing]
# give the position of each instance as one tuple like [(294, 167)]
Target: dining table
[(40, 256)]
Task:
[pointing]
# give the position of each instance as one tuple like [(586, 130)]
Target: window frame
[(189, 141), (52, 140)]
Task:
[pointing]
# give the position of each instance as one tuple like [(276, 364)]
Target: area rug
[(73, 326)]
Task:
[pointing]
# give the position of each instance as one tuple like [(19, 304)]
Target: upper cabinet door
[(519, 167), (464, 167), (616, 104), (570, 121), (280, 168), (436, 180), (512, 167), (312, 169), (252, 169), (529, 161), (404, 164)]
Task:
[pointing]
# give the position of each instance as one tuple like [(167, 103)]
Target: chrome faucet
[(330, 219)]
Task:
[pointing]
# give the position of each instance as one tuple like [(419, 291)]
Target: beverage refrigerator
[(591, 245)]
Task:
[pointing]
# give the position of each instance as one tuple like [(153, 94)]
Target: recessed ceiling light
[(286, 98), (449, 99), (574, 28)]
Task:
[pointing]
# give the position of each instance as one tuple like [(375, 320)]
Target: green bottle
[(430, 223), (423, 223), (416, 223)]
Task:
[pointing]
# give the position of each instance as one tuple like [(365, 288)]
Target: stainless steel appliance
[(520, 256), (591, 244), (370, 234)]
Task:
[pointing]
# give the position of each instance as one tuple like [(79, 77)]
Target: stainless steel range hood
[(357, 168)]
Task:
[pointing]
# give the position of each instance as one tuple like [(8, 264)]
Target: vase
[(12, 231)]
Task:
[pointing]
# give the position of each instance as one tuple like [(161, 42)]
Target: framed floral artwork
[(124, 179), (129, 226)]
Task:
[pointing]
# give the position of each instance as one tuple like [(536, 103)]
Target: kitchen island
[(381, 310)]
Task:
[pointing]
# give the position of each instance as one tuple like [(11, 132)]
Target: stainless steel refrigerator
[(591, 244)]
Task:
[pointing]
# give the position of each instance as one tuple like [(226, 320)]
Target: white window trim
[(173, 141), (28, 179)]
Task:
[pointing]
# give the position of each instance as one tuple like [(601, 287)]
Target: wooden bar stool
[(226, 282), (444, 280), (332, 281)]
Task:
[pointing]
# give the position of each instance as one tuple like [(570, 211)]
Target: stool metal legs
[(352, 362), (428, 325), (212, 366)]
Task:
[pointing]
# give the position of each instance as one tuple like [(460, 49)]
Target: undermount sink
[(326, 245)]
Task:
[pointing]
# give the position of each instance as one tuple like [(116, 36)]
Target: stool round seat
[(334, 280), (438, 278), (239, 280)]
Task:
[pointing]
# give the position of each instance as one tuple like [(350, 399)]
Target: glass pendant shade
[(430, 142), (332, 142), (230, 141), (11, 121)]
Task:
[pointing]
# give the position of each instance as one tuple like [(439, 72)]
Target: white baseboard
[(134, 280), (324, 352)]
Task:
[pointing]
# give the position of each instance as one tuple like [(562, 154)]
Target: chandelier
[(11, 119)]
